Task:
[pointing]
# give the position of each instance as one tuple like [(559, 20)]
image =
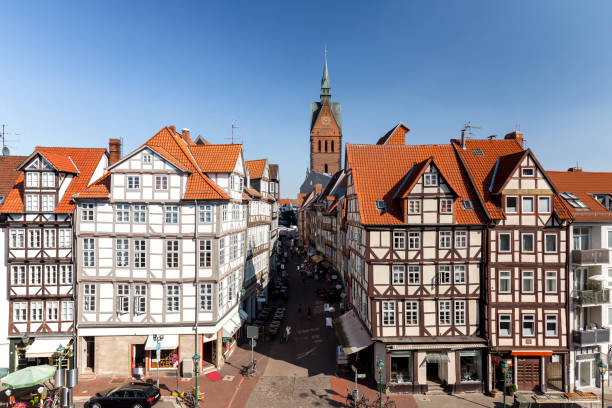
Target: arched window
[(319, 145), (326, 167), (326, 145), (332, 145)]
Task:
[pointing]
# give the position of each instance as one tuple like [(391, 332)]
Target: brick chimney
[(575, 169), (172, 128), (185, 135), (114, 148), (516, 135)]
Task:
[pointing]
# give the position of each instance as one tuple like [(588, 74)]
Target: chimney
[(575, 169), (172, 128), (463, 138), (185, 134), (114, 148), (516, 135)]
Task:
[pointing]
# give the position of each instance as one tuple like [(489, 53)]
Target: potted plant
[(494, 392), (511, 389)]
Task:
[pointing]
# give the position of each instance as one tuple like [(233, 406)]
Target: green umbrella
[(29, 376)]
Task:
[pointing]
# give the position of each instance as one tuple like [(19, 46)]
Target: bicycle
[(387, 403), (252, 369), (362, 402), (186, 399), (53, 399)]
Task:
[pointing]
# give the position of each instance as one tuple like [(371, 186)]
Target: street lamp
[(381, 365), (196, 365), (602, 370), (60, 351), (504, 368)]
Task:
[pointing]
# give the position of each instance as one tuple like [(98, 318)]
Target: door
[(585, 370), (432, 372), (554, 374), (208, 353), (91, 352), (528, 373)]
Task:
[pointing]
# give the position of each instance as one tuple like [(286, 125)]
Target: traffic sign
[(158, 346), (361, 375)]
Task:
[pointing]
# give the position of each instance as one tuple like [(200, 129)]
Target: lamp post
[(196, 367), (60, 351), (602, 370), (504, 368), (381, 365)]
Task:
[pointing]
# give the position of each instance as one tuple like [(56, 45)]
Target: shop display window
[(401, 368), (470, 366), (166, 359)]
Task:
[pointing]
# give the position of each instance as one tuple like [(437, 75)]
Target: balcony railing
[(593, 297), (590, 256), (584, 337)]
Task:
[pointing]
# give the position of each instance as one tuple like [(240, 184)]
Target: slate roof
[(584, 185)]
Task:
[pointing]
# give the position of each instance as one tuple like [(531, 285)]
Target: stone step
[(435, 389)]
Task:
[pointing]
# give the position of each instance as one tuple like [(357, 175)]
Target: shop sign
[(227, 339)]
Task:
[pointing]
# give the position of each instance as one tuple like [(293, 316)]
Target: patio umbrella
[(29, 376)]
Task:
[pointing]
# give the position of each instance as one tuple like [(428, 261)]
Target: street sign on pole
[(252, 332)]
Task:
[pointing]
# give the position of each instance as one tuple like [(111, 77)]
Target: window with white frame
[(20, 311), (233, 246), (505, 281), (505, 325), (544, 205), (140, 253), (65, 238), (50, 274), (399, 271), (527, 242), (32, 202), (551, 325), (528, 325), (172, 214), (48, 202), (133, 182), (445, 239), (205, 215), (527, 281), (399, 240), (206, 297), (123, 298), (444, 312), (527, 172), (67, 312), (414, 240), (66, 276), (550, 243), (388, 313), (140, 213), (52, 311), (140, 298), (17, 239), (224, 212), (205, 252), (444, 274), (551, 282), (89, 297), (527, 206), (32, 178), (412, 313), (459, 274), (36, 311), (34, 238), (222, 251), (503, 241), (48, 179), (173, 298), (161, 183), (511, 204), (87, 211), (414, 206), (459, 312), (460, 239), (35, 274), (172, 254), (147, 158), (122, 213), (122, 251), (18, 275), (49, 238), (446, 206), (609, 238), (414, 274), (231, 284), (430, 179), (581, 238)]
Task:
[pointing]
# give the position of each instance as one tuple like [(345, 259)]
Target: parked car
[(129, 395)]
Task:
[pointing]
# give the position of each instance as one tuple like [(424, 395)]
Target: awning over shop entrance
[(43, 347), (316, 259), (437, 358), (351, 333), (233, 324), (169, 342), (539, 353)]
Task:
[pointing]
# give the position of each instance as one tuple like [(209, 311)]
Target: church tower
[(325, 130)]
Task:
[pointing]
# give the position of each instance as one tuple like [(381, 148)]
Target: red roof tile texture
[(218, 158), (583, 185), (256, 168), (9, 172)]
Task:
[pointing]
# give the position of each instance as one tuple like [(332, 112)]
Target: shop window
[(470, 366), (166, 358), (401, 368)]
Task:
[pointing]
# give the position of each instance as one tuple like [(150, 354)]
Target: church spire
[(325, 87)]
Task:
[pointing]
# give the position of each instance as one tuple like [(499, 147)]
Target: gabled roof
[(86, 160), (217, 158), (201, 141), (256, 168), (252, 192), (504, 168), (397, 135), (9, 172), (411, 178), (378, 171), (60, 162), (583, 185)]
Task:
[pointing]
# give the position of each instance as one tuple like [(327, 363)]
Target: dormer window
[(511, 204), (467, 204), (32, 179), (430, 179), (605, 200), (32, 202), (574, 201), (381, 205), (48, 179), (528, 172), (446, 206), (414, 206)]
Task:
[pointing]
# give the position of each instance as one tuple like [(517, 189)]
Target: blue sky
[(78, 73)]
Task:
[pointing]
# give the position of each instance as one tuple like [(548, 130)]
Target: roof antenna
[(234, 127), (468, 126)]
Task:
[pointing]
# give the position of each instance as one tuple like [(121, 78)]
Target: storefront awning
[(169, 342), (351, 333), (537, 353), (43, 347), (436, 346), (437, 358), (233, 324), (316, 259)]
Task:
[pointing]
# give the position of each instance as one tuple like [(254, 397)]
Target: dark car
[(130, 395)]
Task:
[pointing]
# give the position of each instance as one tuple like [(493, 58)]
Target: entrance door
[(209, 355), (554, 374), (90, 350), (139, 362), (432, 372), (528, 373), (585, 370)]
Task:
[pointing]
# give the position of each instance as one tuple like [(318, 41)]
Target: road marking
[(235, 392)]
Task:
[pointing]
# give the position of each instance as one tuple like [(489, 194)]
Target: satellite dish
[(6, 151)]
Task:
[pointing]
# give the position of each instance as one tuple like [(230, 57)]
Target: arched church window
[(332, 145), (326, 145), (326, 166), (319, 145)]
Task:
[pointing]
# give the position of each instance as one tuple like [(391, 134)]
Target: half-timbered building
[(160, 243), (526, 244), (39, 250)]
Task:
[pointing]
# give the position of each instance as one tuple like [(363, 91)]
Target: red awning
[(533, 353)]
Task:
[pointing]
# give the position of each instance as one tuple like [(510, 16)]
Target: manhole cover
[(228, 378)]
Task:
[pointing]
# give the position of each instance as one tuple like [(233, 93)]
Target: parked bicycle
[(186, 399)]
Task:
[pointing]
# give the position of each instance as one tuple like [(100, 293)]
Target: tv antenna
[(234, 127), (469, 127), (5, 149)]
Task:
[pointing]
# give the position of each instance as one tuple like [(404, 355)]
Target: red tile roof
[(9, 172), (396, 136), (379, 169), (217, 158), (256, 168), (583, 185)]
